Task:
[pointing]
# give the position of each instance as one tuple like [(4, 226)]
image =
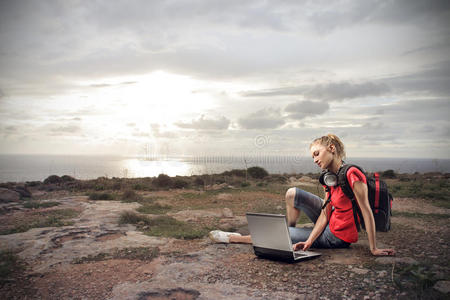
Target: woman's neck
[(335, 165)]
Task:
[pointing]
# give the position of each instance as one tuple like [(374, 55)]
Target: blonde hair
[(331, 139)]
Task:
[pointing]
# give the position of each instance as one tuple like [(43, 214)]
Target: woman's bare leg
[(245, 239), (292, 213)]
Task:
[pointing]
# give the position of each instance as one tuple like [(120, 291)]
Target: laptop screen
[(269, 231)]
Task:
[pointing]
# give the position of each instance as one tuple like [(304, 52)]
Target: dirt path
[(94, 259)]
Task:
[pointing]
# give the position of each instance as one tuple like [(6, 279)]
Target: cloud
[(343, 14), (205, 124), (302, 109), (156, 132), (433, 79), (267, 118), (65, 129), (334, 91)]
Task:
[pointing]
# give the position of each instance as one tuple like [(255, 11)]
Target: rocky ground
[(94, 257)]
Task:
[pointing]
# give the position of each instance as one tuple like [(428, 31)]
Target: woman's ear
[(331, 148)]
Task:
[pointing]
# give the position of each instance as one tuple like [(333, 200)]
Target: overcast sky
[(225, 77)]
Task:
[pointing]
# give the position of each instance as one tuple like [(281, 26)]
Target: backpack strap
[(377, 192), (348, 191)]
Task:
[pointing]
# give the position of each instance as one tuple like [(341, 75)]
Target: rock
[(442, 286), (216, 186), (386, 260), (227, 213), (224, 196), (23, 191), (7, 195), (360, 271), (306, 179), (382, 274)]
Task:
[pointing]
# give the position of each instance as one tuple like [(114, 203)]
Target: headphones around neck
[(329, 178)]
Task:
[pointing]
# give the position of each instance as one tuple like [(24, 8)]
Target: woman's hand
[(301, 246), (381, 252)]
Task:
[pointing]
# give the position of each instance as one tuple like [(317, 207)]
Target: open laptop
[(271, 239)]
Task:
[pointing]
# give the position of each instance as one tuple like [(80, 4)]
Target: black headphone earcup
[(322, 175), (328, 178)]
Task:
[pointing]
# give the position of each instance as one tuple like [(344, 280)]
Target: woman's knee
[(290, 195)]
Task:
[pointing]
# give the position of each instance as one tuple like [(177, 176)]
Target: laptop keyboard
[(299, 254)]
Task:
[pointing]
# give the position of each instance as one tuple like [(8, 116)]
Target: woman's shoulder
[(354, 174)]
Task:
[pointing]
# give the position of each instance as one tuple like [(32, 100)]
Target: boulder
[(7, 195)]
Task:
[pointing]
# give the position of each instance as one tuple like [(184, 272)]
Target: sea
[(21, 168)]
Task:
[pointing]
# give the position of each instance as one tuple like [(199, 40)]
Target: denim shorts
[(311, 205)]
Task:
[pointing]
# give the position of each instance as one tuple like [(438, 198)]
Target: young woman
[(334, 226)]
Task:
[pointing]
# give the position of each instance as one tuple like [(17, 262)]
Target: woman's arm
[(361, 194), (320, 225)]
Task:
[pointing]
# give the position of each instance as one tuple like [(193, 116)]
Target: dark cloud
[(205, 124), (302, 109), (434, 80), (336, 15), (336, 91), (267, 118), (100, 85)]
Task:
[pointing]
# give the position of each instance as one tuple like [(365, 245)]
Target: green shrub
[(245, 184), (52, 179), (9, 263), (257, 172), (180, 183), (163, 226), (198, 181), (388, 174), (163, 181), (235, 172), (100, 196), (67, 178), (38, 204), (117, 186), (155, 209), (131, 196), (51, 218)]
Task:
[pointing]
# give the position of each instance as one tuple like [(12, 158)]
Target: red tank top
[(341, 220)]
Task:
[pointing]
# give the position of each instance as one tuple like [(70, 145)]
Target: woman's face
[(321, 155)]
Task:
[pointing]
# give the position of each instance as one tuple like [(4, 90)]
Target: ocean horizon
[(21, 168)]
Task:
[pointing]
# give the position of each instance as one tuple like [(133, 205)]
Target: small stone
[(360, 271), (382, 274), (227, 213), (442, 286)]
